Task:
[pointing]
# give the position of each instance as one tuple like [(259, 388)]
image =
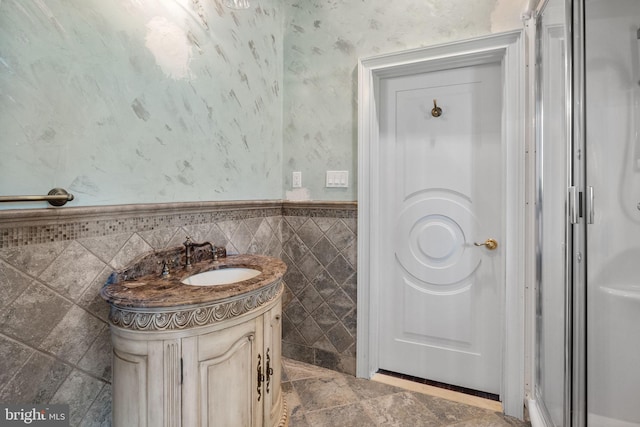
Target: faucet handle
[(165, 269), (188, 247), (219, 252)]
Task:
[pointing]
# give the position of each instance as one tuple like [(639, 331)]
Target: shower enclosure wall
[(588, 213)]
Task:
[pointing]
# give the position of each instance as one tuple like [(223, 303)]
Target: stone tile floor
[(318, 397)]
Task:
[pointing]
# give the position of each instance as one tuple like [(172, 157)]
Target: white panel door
[(442, 191)]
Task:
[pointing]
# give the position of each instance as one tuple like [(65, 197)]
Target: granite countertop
[(152, 291)]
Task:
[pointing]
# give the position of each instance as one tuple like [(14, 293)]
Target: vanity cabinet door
[(129, 389), (145, 383), (220, 377), (273, 366)]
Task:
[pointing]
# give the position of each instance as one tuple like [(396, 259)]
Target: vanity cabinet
[(206, 355), (224, 375)]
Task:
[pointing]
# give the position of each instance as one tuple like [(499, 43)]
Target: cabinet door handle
[(260, 377), (269, 370)]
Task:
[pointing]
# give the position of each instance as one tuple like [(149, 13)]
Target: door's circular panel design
[(434, 239), (437, 238)]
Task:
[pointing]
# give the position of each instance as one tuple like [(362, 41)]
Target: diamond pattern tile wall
[(54, 337), (320, 306)]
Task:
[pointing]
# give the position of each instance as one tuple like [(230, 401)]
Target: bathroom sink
[(223, 276)]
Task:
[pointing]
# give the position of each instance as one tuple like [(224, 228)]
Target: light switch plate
[(337, 179), (297, 179)]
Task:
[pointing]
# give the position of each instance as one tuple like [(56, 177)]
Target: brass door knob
[(491, 244)]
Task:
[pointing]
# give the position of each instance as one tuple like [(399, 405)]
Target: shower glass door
[(612, 143), (588, 213), (552, 218)]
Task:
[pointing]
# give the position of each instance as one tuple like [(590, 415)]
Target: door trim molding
[(508, 49)]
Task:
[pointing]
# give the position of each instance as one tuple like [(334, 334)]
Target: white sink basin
[(224, 276)]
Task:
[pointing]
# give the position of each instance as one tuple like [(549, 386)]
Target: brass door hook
[(436, 111)]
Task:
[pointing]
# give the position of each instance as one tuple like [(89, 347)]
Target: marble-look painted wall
[(155, 101), (140, 101), (323, 42)]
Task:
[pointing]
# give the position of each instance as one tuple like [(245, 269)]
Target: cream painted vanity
[(189, 356)]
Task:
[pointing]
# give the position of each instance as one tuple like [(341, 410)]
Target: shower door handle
[(590, 208), (572, 199)]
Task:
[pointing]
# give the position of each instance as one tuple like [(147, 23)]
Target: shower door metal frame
[(575, 380), (569, 213), (576, 413)]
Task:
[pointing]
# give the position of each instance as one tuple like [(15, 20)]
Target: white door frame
[(509, 49)]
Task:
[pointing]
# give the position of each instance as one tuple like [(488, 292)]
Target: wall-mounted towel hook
[(436, 111)]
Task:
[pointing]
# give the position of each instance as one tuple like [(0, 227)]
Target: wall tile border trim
[(320, 209), (22, 227)]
